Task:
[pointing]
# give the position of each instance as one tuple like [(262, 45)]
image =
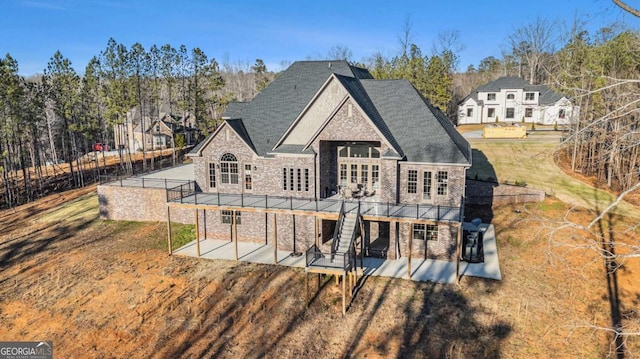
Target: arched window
[(229, 169), (511, 96)]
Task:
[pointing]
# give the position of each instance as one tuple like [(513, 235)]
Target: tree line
[(55, 117), (598, 72)]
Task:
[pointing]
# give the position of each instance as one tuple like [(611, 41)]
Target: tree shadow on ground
[(259, 310), (41, 242), (606, 232)]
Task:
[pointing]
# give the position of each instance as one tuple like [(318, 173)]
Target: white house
[(512, 99)]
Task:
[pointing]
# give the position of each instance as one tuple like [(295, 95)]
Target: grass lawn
[(532, 162)]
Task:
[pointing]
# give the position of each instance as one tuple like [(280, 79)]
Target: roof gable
[(233, 125), (270, 114), (314, 115)]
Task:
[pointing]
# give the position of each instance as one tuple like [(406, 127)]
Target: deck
[(186, 196)]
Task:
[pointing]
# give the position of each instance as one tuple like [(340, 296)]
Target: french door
[(357, 175)]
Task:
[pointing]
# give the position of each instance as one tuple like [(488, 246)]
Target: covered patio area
[(422, 270)]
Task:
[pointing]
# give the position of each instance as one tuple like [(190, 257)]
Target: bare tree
[(339, 52), (531, 43), (613, 244), (623, 5)]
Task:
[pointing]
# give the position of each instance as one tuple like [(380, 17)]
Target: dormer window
[(491, 96), (529, 96)]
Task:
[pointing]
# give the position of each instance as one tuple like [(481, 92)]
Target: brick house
[(155, 133), (326, 132)]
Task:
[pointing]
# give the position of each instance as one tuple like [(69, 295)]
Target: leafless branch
[(627, 8)]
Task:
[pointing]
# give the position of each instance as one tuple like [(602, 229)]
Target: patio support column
[(234, 234), (344, 293), (275, 239), (306, 288), (458, 253), (396, 245), (204, 222), (410, 247), (169, 228), (317, 242), (361, 250), (197, 234)]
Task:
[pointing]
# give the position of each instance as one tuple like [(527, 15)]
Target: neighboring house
[(161, 132), (158, 132), (326, 131), (512, 99)]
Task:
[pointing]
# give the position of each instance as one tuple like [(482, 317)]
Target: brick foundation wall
[(138, 204), (488, 193), (444, 248), (258, 227)]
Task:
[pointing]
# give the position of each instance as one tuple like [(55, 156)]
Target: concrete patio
[(422, 270)]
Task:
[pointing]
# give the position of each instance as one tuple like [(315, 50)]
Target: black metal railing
[(316, 258), (338, 230), (180, 192), (143, 182), (327, 205)]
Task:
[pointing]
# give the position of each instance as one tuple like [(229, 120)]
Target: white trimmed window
[(426, 185), (442, 178), (229, 169), (306, 180), (248, 182), (412, 181), (510, 112), (426, 232), (284, 179), (227, 217), (212, 175)]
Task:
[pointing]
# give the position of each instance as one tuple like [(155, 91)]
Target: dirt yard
[(108, 289)]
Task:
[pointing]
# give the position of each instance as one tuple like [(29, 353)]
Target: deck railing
[(338, 230), (186, 194), (128, 181), (180, 192), (317, 258)]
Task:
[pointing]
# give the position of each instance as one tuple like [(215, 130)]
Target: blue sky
[(277, 31)]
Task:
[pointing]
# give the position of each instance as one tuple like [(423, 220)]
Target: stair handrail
[(352, 240), (338, 230)]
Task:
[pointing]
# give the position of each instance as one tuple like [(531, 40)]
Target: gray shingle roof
[(547, 95), (417, 131), (505, 82), (423, 132), (272, 111), (234, 109), (360, 95)]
